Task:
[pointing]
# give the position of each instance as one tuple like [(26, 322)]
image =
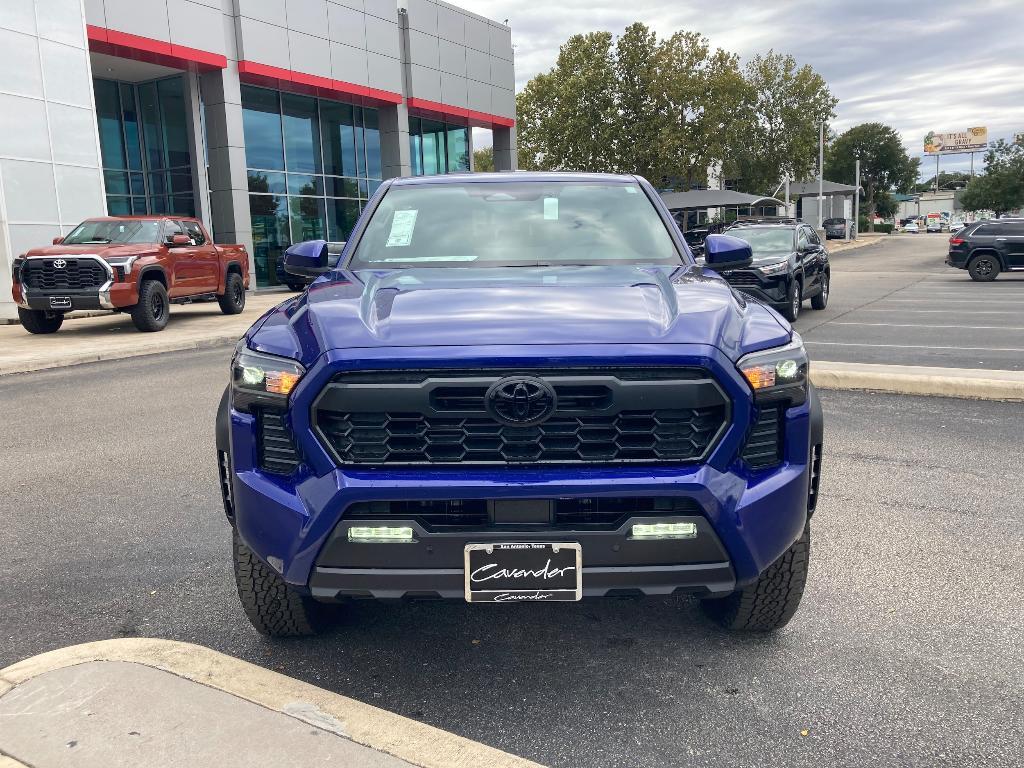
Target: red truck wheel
[(232, 301), (153, 309), (38, 321)]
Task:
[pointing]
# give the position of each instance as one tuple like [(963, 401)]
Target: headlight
[(257, 378), (774, 269), (779, 373)]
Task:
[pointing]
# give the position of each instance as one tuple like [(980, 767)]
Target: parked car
[(841, 228), (933, 224), (566, 407), (986, 248), (790, 266), (911, 228), (139, 265), (955, 226), (298, 283)]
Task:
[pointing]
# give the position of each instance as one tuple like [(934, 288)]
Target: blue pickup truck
[(519, 388)]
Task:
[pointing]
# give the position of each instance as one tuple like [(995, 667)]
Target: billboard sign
[(971, 140)]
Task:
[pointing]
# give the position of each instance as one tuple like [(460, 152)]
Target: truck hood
[(103, 251), (517, 306)]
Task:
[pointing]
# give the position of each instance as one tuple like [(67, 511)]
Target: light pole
[(856, 200), (821, 171)]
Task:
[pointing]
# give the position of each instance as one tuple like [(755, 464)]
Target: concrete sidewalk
[(155, 703), (863, 240), (112, 336)]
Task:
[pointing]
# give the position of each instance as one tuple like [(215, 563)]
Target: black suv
[(987, 248), (790, 265)]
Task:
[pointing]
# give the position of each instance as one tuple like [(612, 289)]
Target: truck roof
[(461, 178)]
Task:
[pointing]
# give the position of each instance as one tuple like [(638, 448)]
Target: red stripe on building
[(459, 114), (314, 85), (138, 48)]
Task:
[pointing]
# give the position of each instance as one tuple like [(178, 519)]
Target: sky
[(917, 66)]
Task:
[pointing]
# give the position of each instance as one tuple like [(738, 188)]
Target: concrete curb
[(121, 354), (409, 740), (965, 383)]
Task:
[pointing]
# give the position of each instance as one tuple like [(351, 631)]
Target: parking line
[(956, 301), (928, 325), (910, 346), (937, 311)]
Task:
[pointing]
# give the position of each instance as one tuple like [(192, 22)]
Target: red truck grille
[(75, 274)]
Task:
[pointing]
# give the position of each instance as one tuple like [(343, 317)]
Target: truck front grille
[(602, 416), (743, 279), (77, 274)]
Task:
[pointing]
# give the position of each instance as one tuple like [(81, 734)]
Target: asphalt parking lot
[(906, 651), (897, 303)]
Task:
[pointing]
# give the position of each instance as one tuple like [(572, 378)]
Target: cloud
[(944, 65)]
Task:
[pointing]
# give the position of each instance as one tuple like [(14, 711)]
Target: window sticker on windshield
[(551, 209), (631, 190), (402, 225)]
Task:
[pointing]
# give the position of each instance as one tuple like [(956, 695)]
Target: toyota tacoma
[(514, 389), (139, 265)]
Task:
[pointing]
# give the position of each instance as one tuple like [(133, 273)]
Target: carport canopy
[(715, 198)]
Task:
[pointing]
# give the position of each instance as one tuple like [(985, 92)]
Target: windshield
[(514, 224), (126, 231), (767, 239)]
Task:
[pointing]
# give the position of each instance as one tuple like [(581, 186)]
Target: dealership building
[(273, 121)]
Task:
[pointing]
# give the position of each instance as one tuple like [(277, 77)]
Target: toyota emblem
[(521, 401), (59, 263)]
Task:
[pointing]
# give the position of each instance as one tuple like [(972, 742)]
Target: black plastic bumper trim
[(704, 579)]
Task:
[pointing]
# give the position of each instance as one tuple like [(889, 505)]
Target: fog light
[(665, 531), (382, 534)]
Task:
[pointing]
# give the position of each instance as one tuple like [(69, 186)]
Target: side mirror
[(724, 252), (308, 259), (58, 240), (179, 241)]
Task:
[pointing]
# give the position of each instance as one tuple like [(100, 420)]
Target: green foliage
[(483, 160), (1001, 187), (947, 180), (783, 109), (884, 165), (885, 229), (669, 109)]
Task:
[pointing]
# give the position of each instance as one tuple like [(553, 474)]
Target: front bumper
[(747, 518)]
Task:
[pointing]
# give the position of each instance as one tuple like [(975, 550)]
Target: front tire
[(983, 268), (821, 300), (794, 300), (38, 321), (272, 607), (771, 601), (232, 301), (153, 310), (296, 286)]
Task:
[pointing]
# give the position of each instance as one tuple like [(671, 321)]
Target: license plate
[(518, 572), (60, 302)]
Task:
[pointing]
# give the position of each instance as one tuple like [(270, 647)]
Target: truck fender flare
[(817, 417), (154, 271), (224, 423)]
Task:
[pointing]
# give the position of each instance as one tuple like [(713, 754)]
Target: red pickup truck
[(138, 264)]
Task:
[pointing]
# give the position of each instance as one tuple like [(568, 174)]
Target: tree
[(947, 180), (669, 109), (483, 160), (1001, 187), (566, 119), (784, 108), (885, 165)]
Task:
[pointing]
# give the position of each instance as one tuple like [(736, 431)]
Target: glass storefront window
[(261, 122), (437, 147), (143, 130), (311, 164), (301, 134)]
